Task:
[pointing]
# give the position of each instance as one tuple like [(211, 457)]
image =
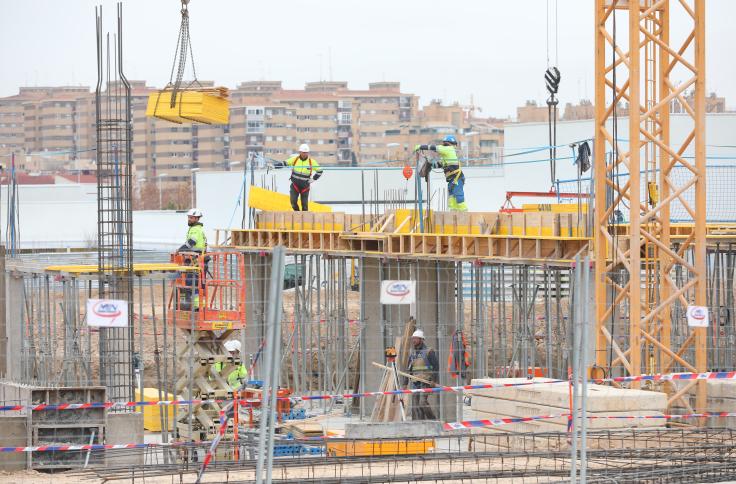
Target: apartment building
[(583, 110), (49, 127), (713, 103), (531, 112), (54, 128)]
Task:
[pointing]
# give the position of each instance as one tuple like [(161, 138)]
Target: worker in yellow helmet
[(305, 170), (450, 164), (239, 374)]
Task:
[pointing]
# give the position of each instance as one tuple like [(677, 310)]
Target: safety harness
[(301, 177)]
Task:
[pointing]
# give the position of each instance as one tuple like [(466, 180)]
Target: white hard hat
[(304, 148), (418, 334), (195, 212), (232, 345)]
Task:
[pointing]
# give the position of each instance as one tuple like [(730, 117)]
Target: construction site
[(579, 333)]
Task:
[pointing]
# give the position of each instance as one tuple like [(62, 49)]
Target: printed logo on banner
[(107, 313), (398, 292), (697, 316)]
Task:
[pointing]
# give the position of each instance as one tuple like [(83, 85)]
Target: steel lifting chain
[(183, 46)]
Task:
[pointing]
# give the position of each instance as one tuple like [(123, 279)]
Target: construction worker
[(424, 364), (450, 163), (196, 240), (237, 375), (305, 170)]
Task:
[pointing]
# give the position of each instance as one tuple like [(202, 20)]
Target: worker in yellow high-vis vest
[(304, 171), (237, 375), (450, 163)]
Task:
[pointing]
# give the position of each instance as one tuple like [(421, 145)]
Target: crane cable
[(552, 79), (183, 47)]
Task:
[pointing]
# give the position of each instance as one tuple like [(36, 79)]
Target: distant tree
[(173, 196), (147, 198)]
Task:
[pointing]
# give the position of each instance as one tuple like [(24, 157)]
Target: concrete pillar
[(14, 323), (258, 272), (372, 335), (435, 314)]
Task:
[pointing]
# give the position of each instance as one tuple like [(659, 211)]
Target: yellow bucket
[(201, 106)]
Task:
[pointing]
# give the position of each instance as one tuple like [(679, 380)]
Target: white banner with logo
[(107, 313), (398, 292), (697, 316)]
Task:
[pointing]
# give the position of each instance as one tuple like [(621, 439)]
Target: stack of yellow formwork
[(152, 414), (270, 201), (209, 106)]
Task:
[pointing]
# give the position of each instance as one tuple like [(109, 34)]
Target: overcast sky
[(492, 50)]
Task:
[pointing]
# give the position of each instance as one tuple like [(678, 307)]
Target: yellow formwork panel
[(137, 267), (203, 107), (269, 201), (379, 447), (554, 207), (152, 413), (402, 214)]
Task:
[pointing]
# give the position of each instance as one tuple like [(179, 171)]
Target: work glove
[(316, 176)]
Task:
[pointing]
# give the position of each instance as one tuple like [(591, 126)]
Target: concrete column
[(435, 314), (258, 272), (14, 323), (372, 335)]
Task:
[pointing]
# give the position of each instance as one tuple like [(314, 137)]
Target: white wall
[(54, 216), (720, 138), (159, 229), (51, 216)]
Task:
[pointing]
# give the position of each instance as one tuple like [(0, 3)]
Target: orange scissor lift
[(208, 304)]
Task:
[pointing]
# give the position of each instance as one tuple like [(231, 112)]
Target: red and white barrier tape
[(470, 424), (713, 375)]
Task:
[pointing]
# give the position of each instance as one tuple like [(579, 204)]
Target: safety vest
[(236, 377), (302, 169), (450, 162), (419, 364), (196, 238)]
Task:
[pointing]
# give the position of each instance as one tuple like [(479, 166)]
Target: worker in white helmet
[(304, 171), (195, 241), (237, 374), (424, 364)]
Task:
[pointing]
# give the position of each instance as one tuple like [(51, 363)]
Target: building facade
[(51, 129)]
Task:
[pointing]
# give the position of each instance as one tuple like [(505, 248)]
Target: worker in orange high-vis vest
[(304, 171)]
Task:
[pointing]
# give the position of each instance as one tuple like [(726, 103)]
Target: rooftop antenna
[(329, 61)]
